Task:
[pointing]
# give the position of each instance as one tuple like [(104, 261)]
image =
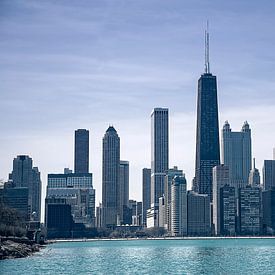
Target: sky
[(66, 65)]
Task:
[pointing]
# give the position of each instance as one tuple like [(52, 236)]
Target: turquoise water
[(230, 256)]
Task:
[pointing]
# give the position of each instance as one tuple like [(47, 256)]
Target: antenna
[(206, 37)]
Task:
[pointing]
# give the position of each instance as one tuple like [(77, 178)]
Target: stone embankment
[(17, 248)]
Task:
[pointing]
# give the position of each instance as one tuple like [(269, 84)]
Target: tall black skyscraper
[(110, 177), (207, 140), (81, 153), (159, 152)]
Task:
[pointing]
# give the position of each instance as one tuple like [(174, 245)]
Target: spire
[(254, 166), (206, 37)]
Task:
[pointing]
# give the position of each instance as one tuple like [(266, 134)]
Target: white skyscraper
[(179, 206), (236, 153)]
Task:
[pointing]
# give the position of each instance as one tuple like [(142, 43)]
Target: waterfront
[(224, 256)]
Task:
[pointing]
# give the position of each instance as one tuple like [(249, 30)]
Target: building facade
[(207, 137), (254, 176), (220, 179), (236, 153), (268, 202), (110, 177), (77, 190), (249, 210), (269, 174), (123, 189), (228, 211), (159, 152), (25, 175), (198, 214), (179, 206), (81, 153), (146, 192), (171, 173)]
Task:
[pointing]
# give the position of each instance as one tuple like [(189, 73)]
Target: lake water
[(226, 256)]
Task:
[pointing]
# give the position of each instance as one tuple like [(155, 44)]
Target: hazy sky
[(66, 65)]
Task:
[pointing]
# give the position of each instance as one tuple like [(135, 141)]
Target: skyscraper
[(269, 174), (123, 188), (224, 205), (236, 153), (110, 177), (159, 152), (171, 173), (249, 210), (179, 206), (198, 214), (268, 203), (81, 154), (146, 192), (207, 139), (254, 176), (25, 175)]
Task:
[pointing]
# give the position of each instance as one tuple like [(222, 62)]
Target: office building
[(269, 174), (81, 153), (159, 152), (16, 198), (146, 192), (236, 153), (254, 176), (207, 136), (58, 218), (110, 177), (171, 173), (249, 210), (123, 189), (179, 206), (25, 175), (161, 212), (198, 214), (98, 222), (220, 179), (268, 202), (228, 211), (76, 189)]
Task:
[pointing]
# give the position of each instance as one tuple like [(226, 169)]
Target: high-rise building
[(220, 179), (179, 206), (268, 202), (146, 192), (269, 174), (25, 175), (249, 210), (236, 153), (254, 176), (159, 152), (171, 173), (123, 188), (81, 154), (228, 210), (58, 218), (77, 191), (207, 139), (198, 214), (110, 177), (16, 198), (161, 212)]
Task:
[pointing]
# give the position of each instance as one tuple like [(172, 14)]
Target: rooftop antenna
[(206, 37)]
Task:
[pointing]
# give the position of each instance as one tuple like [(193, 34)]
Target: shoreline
[(160, 238), (18, 248)]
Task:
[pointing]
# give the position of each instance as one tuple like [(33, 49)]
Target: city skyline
[(166, 77)]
